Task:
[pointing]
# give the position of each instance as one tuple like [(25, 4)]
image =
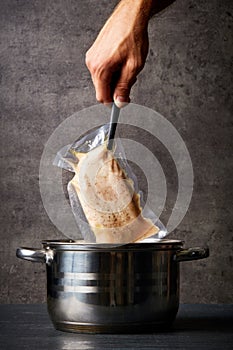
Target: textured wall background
[(187, 78)]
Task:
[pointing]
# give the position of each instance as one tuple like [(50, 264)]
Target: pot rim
[(156, 244)]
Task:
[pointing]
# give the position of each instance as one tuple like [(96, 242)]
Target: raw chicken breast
[(108, 199)]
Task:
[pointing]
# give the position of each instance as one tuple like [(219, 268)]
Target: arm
[(119, 52)]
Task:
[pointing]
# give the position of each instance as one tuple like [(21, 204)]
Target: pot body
[(132, 288)]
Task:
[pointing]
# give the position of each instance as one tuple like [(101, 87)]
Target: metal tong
[(113, 125)]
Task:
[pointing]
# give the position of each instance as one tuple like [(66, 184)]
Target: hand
[(119, 52)]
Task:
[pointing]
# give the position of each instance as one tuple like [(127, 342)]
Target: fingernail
[(120, 101)]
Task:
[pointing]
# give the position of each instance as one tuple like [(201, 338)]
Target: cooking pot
[(112, 289)]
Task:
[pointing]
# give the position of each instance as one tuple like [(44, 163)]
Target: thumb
[(121, 94), (122, 88)]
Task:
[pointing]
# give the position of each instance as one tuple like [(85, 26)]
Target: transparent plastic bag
[(104, 194)]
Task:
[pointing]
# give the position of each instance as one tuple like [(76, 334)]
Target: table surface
[(197, 326)]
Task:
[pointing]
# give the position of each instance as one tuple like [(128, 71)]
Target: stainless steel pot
[(130, 288)]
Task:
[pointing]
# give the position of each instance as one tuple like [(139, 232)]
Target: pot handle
[(35, 255), (192, 254)]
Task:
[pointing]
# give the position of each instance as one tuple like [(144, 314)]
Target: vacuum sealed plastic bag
[(104, 194)]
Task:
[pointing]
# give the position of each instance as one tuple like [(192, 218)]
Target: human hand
[(119, 52)]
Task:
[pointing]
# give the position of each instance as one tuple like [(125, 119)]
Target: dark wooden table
[(196, 327)]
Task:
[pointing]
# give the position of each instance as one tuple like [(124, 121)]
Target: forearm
[(140, 10), (145, 8)]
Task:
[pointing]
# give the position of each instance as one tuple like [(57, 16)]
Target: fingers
[(123, 86), (102, 84), (101, 76), (109, 88), (112, 82), (103, 91)]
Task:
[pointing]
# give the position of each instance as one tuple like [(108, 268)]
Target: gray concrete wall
[(187, 78)]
